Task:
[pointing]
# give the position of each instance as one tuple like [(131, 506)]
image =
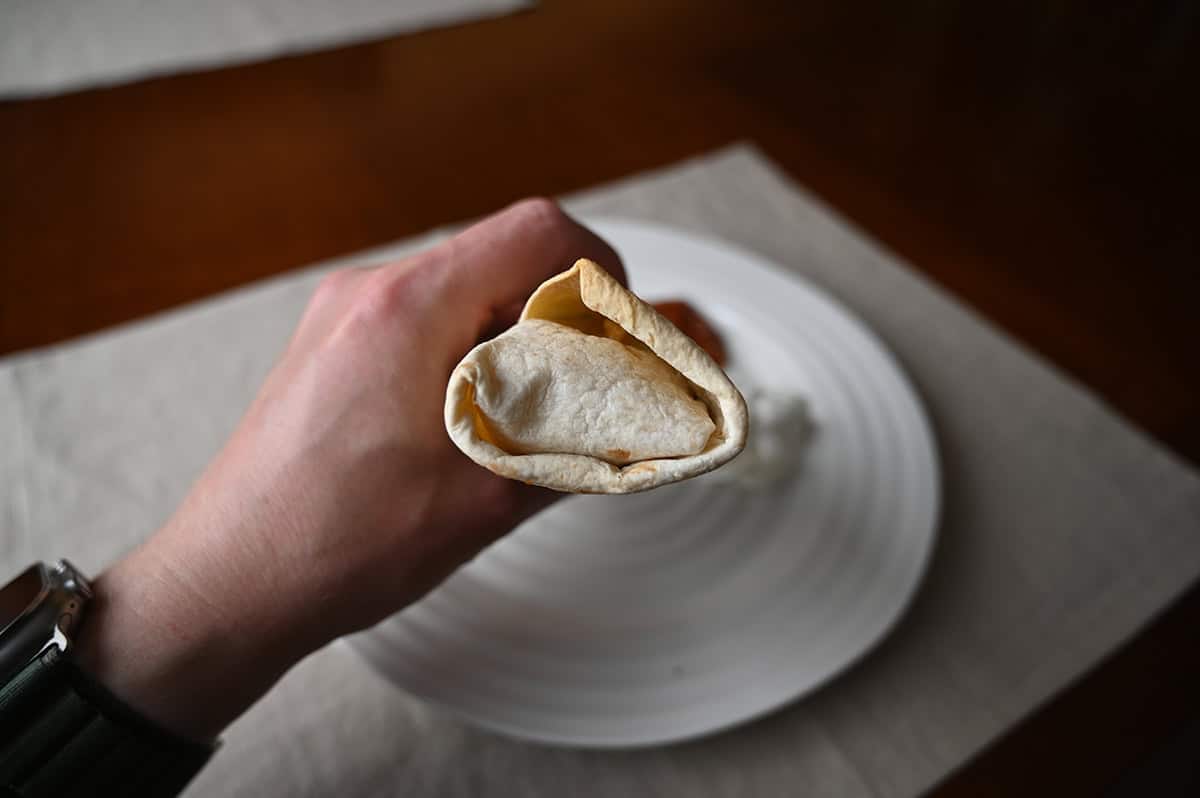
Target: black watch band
[(64, 734)]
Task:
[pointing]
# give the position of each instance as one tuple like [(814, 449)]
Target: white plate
[(638, 620)]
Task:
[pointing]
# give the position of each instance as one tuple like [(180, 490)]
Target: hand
[(340, 498)]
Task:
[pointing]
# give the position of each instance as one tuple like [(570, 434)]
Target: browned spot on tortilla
[(649, 467), (618, 454)]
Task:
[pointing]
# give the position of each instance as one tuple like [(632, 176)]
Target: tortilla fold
[(593, 391)]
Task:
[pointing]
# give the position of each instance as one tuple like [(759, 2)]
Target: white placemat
[(49, 46), (1064, 531)]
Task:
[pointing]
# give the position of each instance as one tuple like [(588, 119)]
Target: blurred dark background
[(1038, 160)]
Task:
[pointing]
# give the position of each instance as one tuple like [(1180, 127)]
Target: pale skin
[(339, 499)]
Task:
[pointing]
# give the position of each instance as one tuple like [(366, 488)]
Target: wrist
[(187, 646)]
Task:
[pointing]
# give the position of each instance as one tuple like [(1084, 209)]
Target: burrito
[(593, 391)]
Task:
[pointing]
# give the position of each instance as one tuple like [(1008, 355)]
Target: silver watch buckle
[(48, 620)]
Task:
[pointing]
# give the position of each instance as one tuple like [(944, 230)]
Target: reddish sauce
[(693, 325)]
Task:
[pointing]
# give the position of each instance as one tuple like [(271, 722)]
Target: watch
[(61, 732)]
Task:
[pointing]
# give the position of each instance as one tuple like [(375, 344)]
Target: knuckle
[(332, 286), (386, 294), (541, 212), (378, 297)]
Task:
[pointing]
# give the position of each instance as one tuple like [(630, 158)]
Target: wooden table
[(1038, 163)]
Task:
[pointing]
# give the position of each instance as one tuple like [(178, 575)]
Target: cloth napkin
[(49, 46), (1064, 530)]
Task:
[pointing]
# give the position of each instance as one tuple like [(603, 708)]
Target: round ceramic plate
[(621, 621)]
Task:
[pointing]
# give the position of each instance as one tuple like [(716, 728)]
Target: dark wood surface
[(1040, 163)]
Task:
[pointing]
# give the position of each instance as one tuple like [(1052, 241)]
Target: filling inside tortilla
[(545, 387)]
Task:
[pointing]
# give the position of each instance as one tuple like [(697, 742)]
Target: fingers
[(496, 264), (485, 273), (501, 319), (532, 499)]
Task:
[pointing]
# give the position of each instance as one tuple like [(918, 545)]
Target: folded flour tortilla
[(593, 391)]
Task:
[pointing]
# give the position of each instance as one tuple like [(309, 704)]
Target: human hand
[(340, 498)]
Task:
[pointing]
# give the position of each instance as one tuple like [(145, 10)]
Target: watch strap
[(63, 733)]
